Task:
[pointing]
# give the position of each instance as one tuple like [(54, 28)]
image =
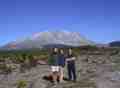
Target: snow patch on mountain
[(40, 39)]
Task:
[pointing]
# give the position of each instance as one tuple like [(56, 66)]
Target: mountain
[(102, 45), (114, 44), (41, 39)]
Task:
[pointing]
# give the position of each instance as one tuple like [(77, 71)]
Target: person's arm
[(69, 59), (50, 60), (73, 58)]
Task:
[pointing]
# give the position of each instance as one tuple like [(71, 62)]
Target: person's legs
[(54, 74), (69, 72), (58, 73), (74, 72), (61, 74)]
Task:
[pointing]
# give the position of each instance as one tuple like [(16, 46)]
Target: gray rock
[(93, 71)]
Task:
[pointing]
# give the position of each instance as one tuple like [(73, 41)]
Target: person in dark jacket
[(61, 63), (53, 62), (71, 65)]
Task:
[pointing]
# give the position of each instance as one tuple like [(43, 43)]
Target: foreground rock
[(34, 79), (93, 71)]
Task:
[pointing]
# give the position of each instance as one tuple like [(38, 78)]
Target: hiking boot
[(55, 83), (62, 81), (74, 81)]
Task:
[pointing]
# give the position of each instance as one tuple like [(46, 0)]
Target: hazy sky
[(97, 20)]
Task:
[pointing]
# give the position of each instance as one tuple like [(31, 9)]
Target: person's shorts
[(55, 68)]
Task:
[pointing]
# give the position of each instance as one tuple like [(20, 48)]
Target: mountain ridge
[(40, 39)]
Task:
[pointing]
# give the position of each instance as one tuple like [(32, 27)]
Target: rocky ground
[(93, 71)]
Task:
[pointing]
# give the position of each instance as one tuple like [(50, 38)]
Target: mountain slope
[(114, 44), (38, 40)]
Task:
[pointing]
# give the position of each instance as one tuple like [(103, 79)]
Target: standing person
[(61, 63), (71, 65), (53, 62)]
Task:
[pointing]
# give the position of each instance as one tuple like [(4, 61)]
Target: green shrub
[(22, 84), (5, 68)]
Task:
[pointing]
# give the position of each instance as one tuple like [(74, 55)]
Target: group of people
[(58, 60)]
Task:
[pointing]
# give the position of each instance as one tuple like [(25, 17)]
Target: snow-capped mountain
[(38, 40)]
